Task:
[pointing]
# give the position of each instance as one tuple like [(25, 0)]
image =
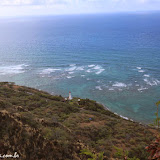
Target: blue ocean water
[(112, 58)]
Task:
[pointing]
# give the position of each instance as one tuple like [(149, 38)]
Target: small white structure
[(70, 96)]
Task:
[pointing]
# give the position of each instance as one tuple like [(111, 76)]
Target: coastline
[(126, 118), (123, 117)]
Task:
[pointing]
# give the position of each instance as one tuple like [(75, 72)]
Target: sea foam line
[(153, 82), (92, 65), (141, 71), (119, 84), (139, 67), (99, 88), (13, 69), (123, 117), (49, 70)]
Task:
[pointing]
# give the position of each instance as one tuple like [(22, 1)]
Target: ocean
[(111, 58)]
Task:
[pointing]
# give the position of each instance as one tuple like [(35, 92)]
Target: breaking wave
[(13, 69), (99, 88), (119, 84), (49, 70)]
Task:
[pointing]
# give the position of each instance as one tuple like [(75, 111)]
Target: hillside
[(41, 126)]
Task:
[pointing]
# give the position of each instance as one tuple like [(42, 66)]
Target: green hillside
[(41, 126)]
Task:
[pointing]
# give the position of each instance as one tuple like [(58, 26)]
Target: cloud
[(32, 2), (15, 2), (48, 7), (53, 2)]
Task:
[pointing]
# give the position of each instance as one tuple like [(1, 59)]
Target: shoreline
[(125, 118)]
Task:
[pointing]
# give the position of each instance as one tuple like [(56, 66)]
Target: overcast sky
[(47, 7)]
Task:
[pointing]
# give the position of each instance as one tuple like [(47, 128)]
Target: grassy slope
[(40, 126)]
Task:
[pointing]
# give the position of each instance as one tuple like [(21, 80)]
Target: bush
[(139, 152), (2, 104)]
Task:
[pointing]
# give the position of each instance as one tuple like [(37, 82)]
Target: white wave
[(100, 71), (142, 88), (88, 70), (72, 65), (139, 67), (92, 65), (141, 71), (137, 85), (14, 69), (99, 88), (82, 75), (49, 70), (158, 82), (80, 68), (97, 67), (146, 80), (153, 82), (71, 72), (146, 75), (119, 84), (25, 65), (124, 117), (69, 77), (71, 69)]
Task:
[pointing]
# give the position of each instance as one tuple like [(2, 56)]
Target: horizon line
[(83, 13)]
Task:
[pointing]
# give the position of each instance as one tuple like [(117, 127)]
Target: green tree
[(94, 156)]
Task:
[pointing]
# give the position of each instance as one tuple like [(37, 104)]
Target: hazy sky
[(45, 7)]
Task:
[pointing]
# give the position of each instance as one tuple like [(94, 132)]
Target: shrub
[(139, 152), (2, 104)]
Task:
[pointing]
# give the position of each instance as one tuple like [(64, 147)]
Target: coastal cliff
[(41, 126)]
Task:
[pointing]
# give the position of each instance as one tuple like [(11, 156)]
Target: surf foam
[(99, 88), (139, 67), (146, 75), (49, 70), (11, 70), (71, 69), (153, 82), (141, 71), (92, 65), (119, 84), (100, 71)]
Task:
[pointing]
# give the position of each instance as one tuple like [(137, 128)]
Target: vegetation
[(94, 156), (154, 147), (41, 126), (154, 150), (157, 117)]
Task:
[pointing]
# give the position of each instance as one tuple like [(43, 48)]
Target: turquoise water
[(113, 59)]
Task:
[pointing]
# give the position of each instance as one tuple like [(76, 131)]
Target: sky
[(54, 7)]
